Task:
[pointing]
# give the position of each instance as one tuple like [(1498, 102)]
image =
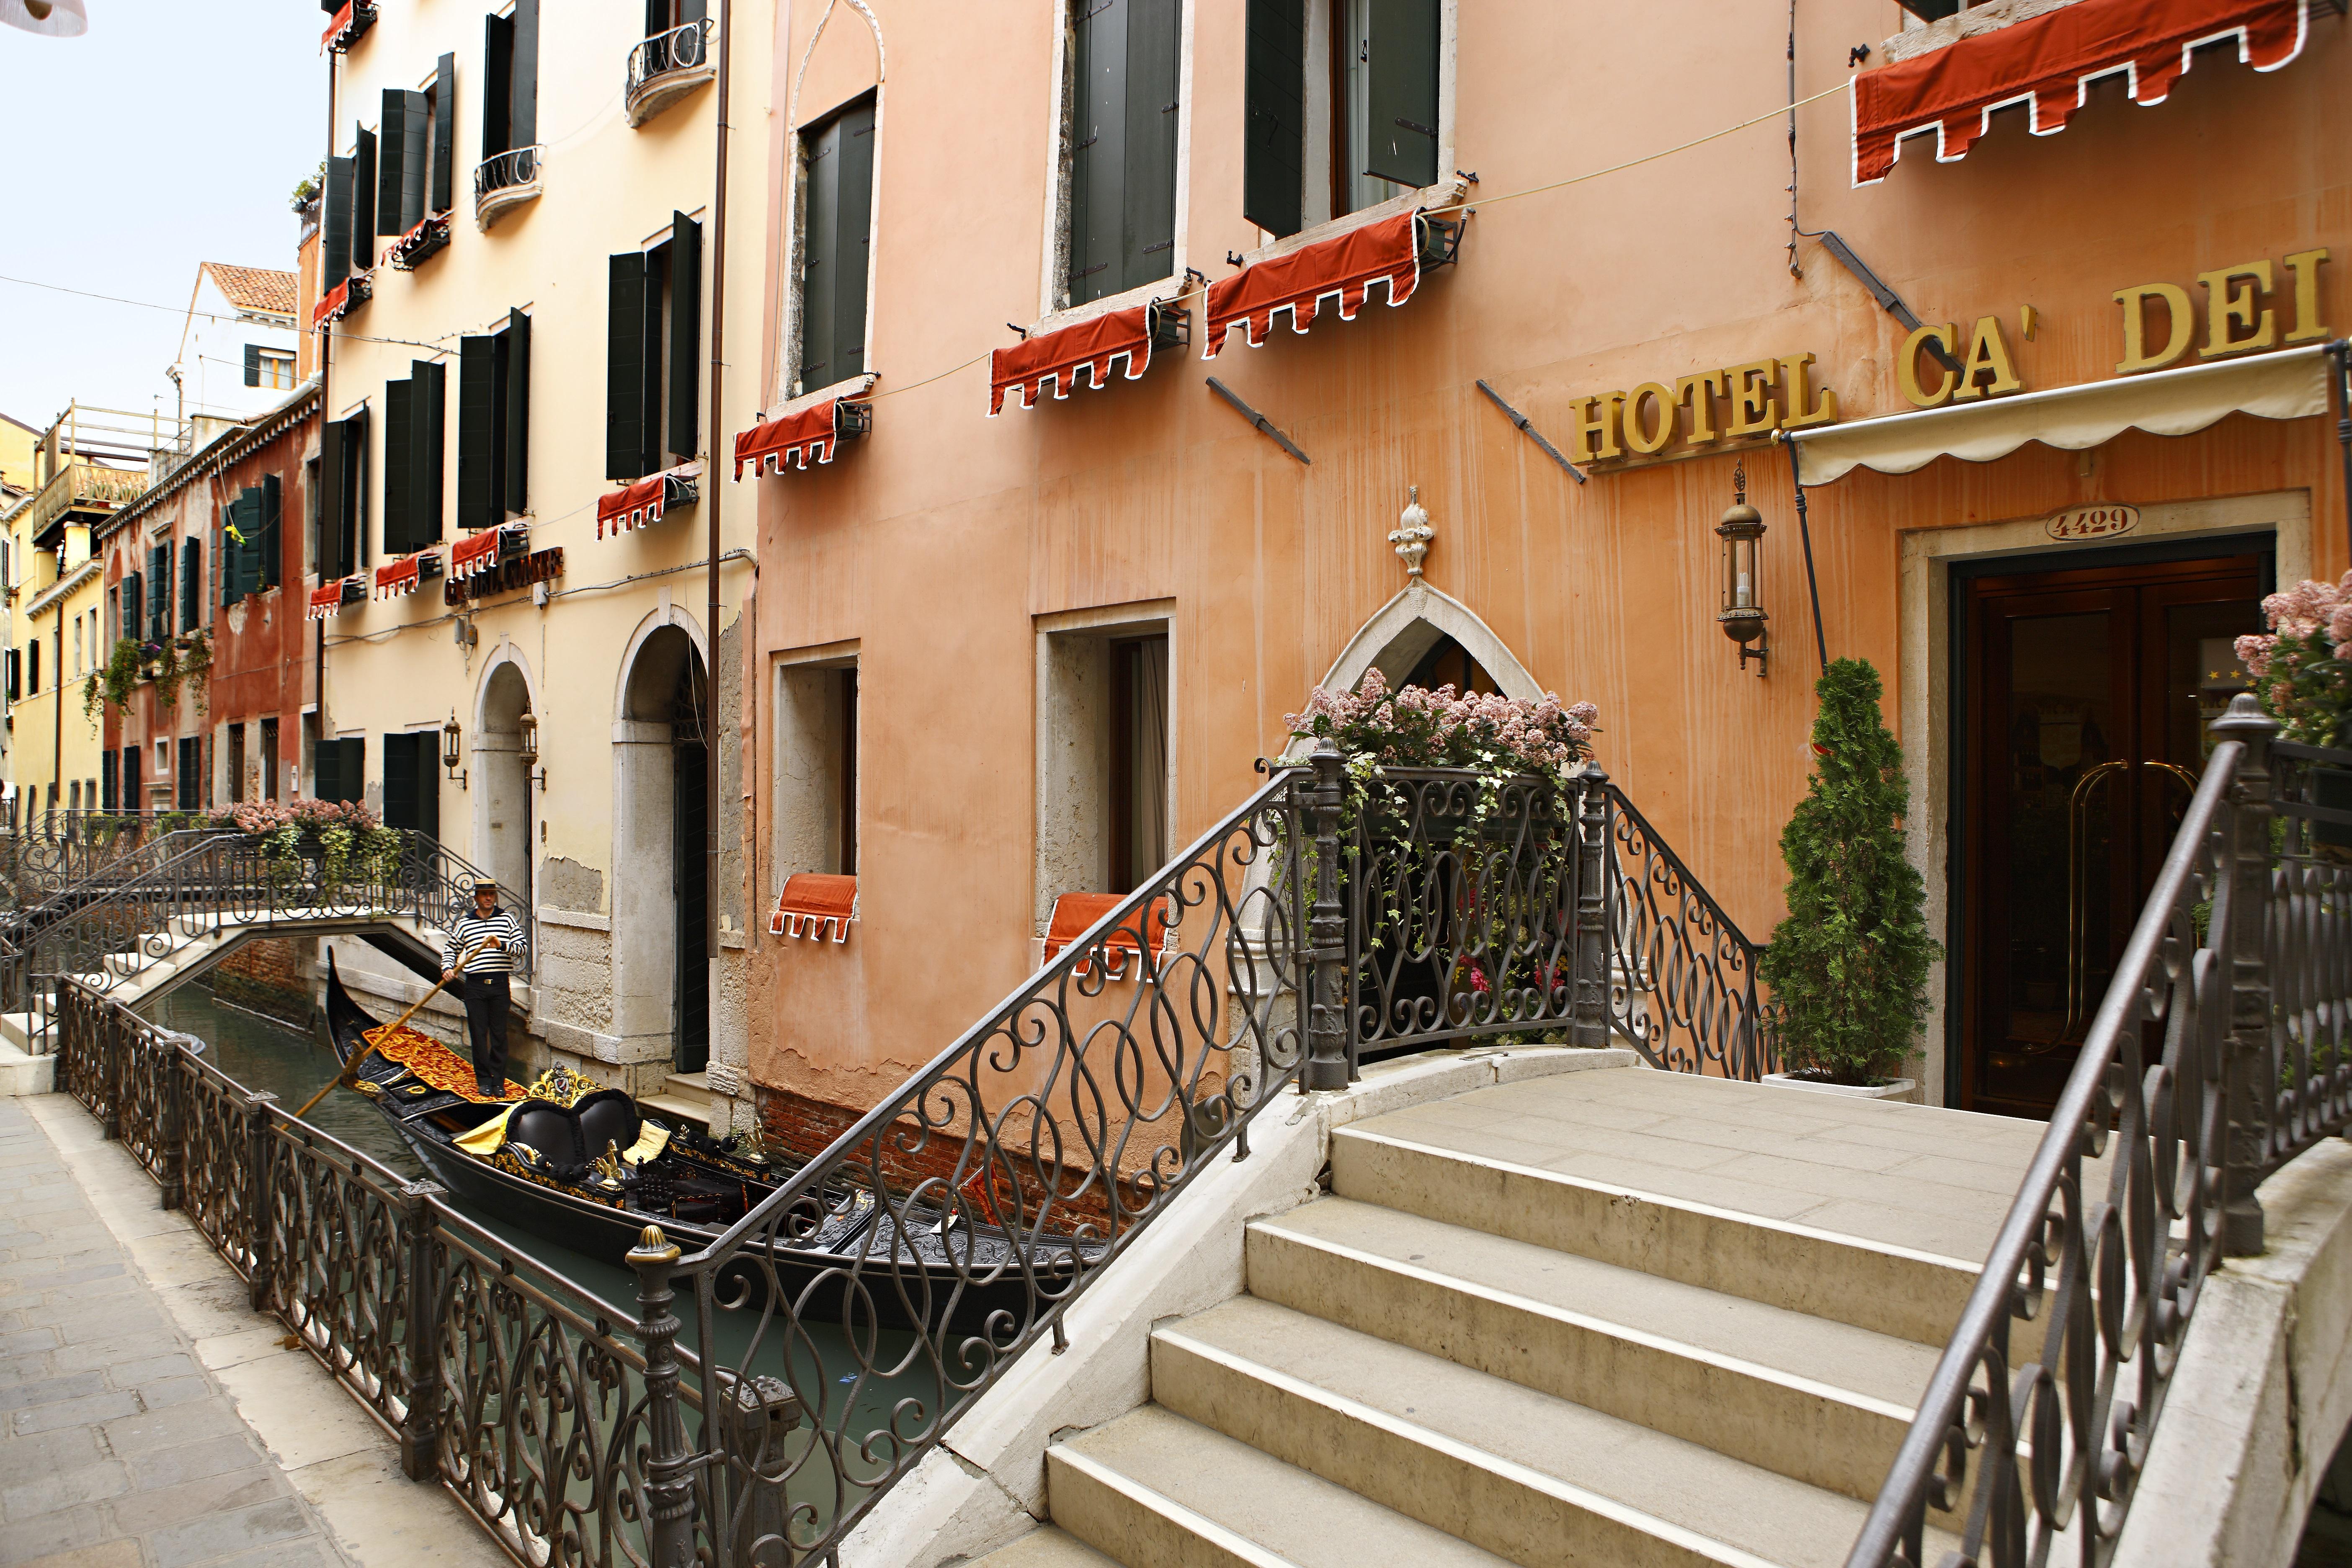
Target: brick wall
[(266, 976)]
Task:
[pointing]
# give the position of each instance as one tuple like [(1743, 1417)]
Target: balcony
[(509, 180), (666, 67)]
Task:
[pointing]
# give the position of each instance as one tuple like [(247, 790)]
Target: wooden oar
[(350, 1069)]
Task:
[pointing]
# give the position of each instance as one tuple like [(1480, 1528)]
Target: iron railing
[(210, 883), (682, 49), (506, 178), (2221, 1050), (41, 872), (534, 1400)]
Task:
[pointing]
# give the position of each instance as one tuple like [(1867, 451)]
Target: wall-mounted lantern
[(1742, 615), (453, 741), (527, 745)]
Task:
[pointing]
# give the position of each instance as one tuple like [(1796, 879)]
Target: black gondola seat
[(571, 1138)]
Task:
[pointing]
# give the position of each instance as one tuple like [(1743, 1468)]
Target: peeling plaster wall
[(568, 885)]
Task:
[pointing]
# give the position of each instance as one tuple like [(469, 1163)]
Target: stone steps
[(1609, 1316)]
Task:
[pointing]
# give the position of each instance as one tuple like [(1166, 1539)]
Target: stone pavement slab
[(148, 1418)]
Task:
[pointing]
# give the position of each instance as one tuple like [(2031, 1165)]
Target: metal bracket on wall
[(1888, 299), (1260, 420), (1531, 433)]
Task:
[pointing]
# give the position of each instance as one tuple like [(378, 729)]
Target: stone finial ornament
[(1413, 533)]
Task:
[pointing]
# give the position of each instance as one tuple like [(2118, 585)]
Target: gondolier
[(486, 984)]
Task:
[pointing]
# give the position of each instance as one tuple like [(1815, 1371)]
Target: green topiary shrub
[(1848, 967)]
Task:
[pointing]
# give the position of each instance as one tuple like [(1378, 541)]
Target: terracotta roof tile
[(254, 287)]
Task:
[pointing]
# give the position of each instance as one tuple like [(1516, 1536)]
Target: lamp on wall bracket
[(1741, 615), (527, 746), (453, 742)]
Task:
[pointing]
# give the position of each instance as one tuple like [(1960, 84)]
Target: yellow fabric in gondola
[(485, 1141), (433, 1063)]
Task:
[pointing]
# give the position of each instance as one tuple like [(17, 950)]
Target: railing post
[(420, 1432), (258, 1238), (669, 1481), (108, 1034), (2248, 1078), (1330, 1013), (1589, 1024), (170, 1131)]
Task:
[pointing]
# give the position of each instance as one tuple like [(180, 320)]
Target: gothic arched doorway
[(661, 880)]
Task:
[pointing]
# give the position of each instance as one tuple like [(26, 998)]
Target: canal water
[(263, 1053)]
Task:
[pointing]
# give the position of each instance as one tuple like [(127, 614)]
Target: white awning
[(2289, 384)]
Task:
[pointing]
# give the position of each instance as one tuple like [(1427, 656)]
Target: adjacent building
[(1096, 385), (239, 344), (516, 523)]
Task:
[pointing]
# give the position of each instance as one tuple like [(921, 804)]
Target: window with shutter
[(245, 516), (159, 604), (326, 547), (324, 765), (480, 441), (109, 782), (335, 225), (400, 780), (190, 781), (522, 93), (430, 380), (685, 334), (514, 371), (838, 182), (253, 364), (132, 798), (135, 606), (1274, 182), (364, 181), (625, 367), (15, 676), (191, 583), (269, 556), (33, 667), (401, 161), (1400, 89), (649, 380), (445, 134), (398, 469), (1123, 146), (498, 84)]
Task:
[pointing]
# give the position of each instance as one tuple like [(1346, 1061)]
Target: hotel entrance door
[(2082, 728)]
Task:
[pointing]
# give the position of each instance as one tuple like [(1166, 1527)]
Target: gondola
[(601, 1170)]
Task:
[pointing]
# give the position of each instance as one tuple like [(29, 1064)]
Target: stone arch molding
[(667, 615), (1406, 628), (505, 655)]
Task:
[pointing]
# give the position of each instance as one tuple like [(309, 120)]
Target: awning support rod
[(1805, 531), (1260, 420), (1531, 433)]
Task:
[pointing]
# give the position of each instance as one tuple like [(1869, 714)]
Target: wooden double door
[(2087, 694)]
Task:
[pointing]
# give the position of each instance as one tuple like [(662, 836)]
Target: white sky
[(174, 131)]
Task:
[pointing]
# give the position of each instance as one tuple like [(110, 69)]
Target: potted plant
[(2302, 680), (1848, 966)]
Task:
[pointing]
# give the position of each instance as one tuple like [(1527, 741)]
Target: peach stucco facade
[(939, 551)]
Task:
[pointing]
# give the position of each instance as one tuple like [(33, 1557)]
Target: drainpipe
[(710, 486), (2340, 353), (326, 354)]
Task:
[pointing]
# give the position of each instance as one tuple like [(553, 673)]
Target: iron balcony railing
[(509, 177), (2221, 1050), (677, 59)]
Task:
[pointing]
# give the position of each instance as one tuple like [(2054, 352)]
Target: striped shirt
[(468, 933)]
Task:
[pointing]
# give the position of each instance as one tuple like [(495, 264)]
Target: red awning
[(2048, 63), (1346, 265), (332, 307), (397, 577), (343, 20), (326, 601), (478, 554), (1074, 912), (814, 901), (635, 507), (1026, 368), (799, 439)]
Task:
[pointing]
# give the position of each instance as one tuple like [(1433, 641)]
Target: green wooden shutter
[(159, 604), (335, 226), (854, 240), (514, 365), (649, 380), (1274, 117), (1099, 149), (445, 133), (498, 84), (391, 160), (428, 406), (820, 232), (352, 771), (269, 564), (110, 778), (400, 780), (132, 799), (253, 364), (478, 444), (1147, 229), (1402, 126), (625, 367), (189, 783), (191, 583), (332, 469), (363, 178), (685, 334), (428, 783), (522, 97), (399, 467), (134, 602)]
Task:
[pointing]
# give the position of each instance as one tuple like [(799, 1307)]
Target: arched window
[(1448, 663)]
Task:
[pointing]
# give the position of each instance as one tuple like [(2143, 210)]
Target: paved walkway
[(148, 1418)]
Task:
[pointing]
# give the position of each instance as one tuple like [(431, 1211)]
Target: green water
[(263, 1053)]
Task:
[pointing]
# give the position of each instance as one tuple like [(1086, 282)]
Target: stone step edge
[(1222, 1536), (1687, 1205), (1665, 1344), (1511, 1470)]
